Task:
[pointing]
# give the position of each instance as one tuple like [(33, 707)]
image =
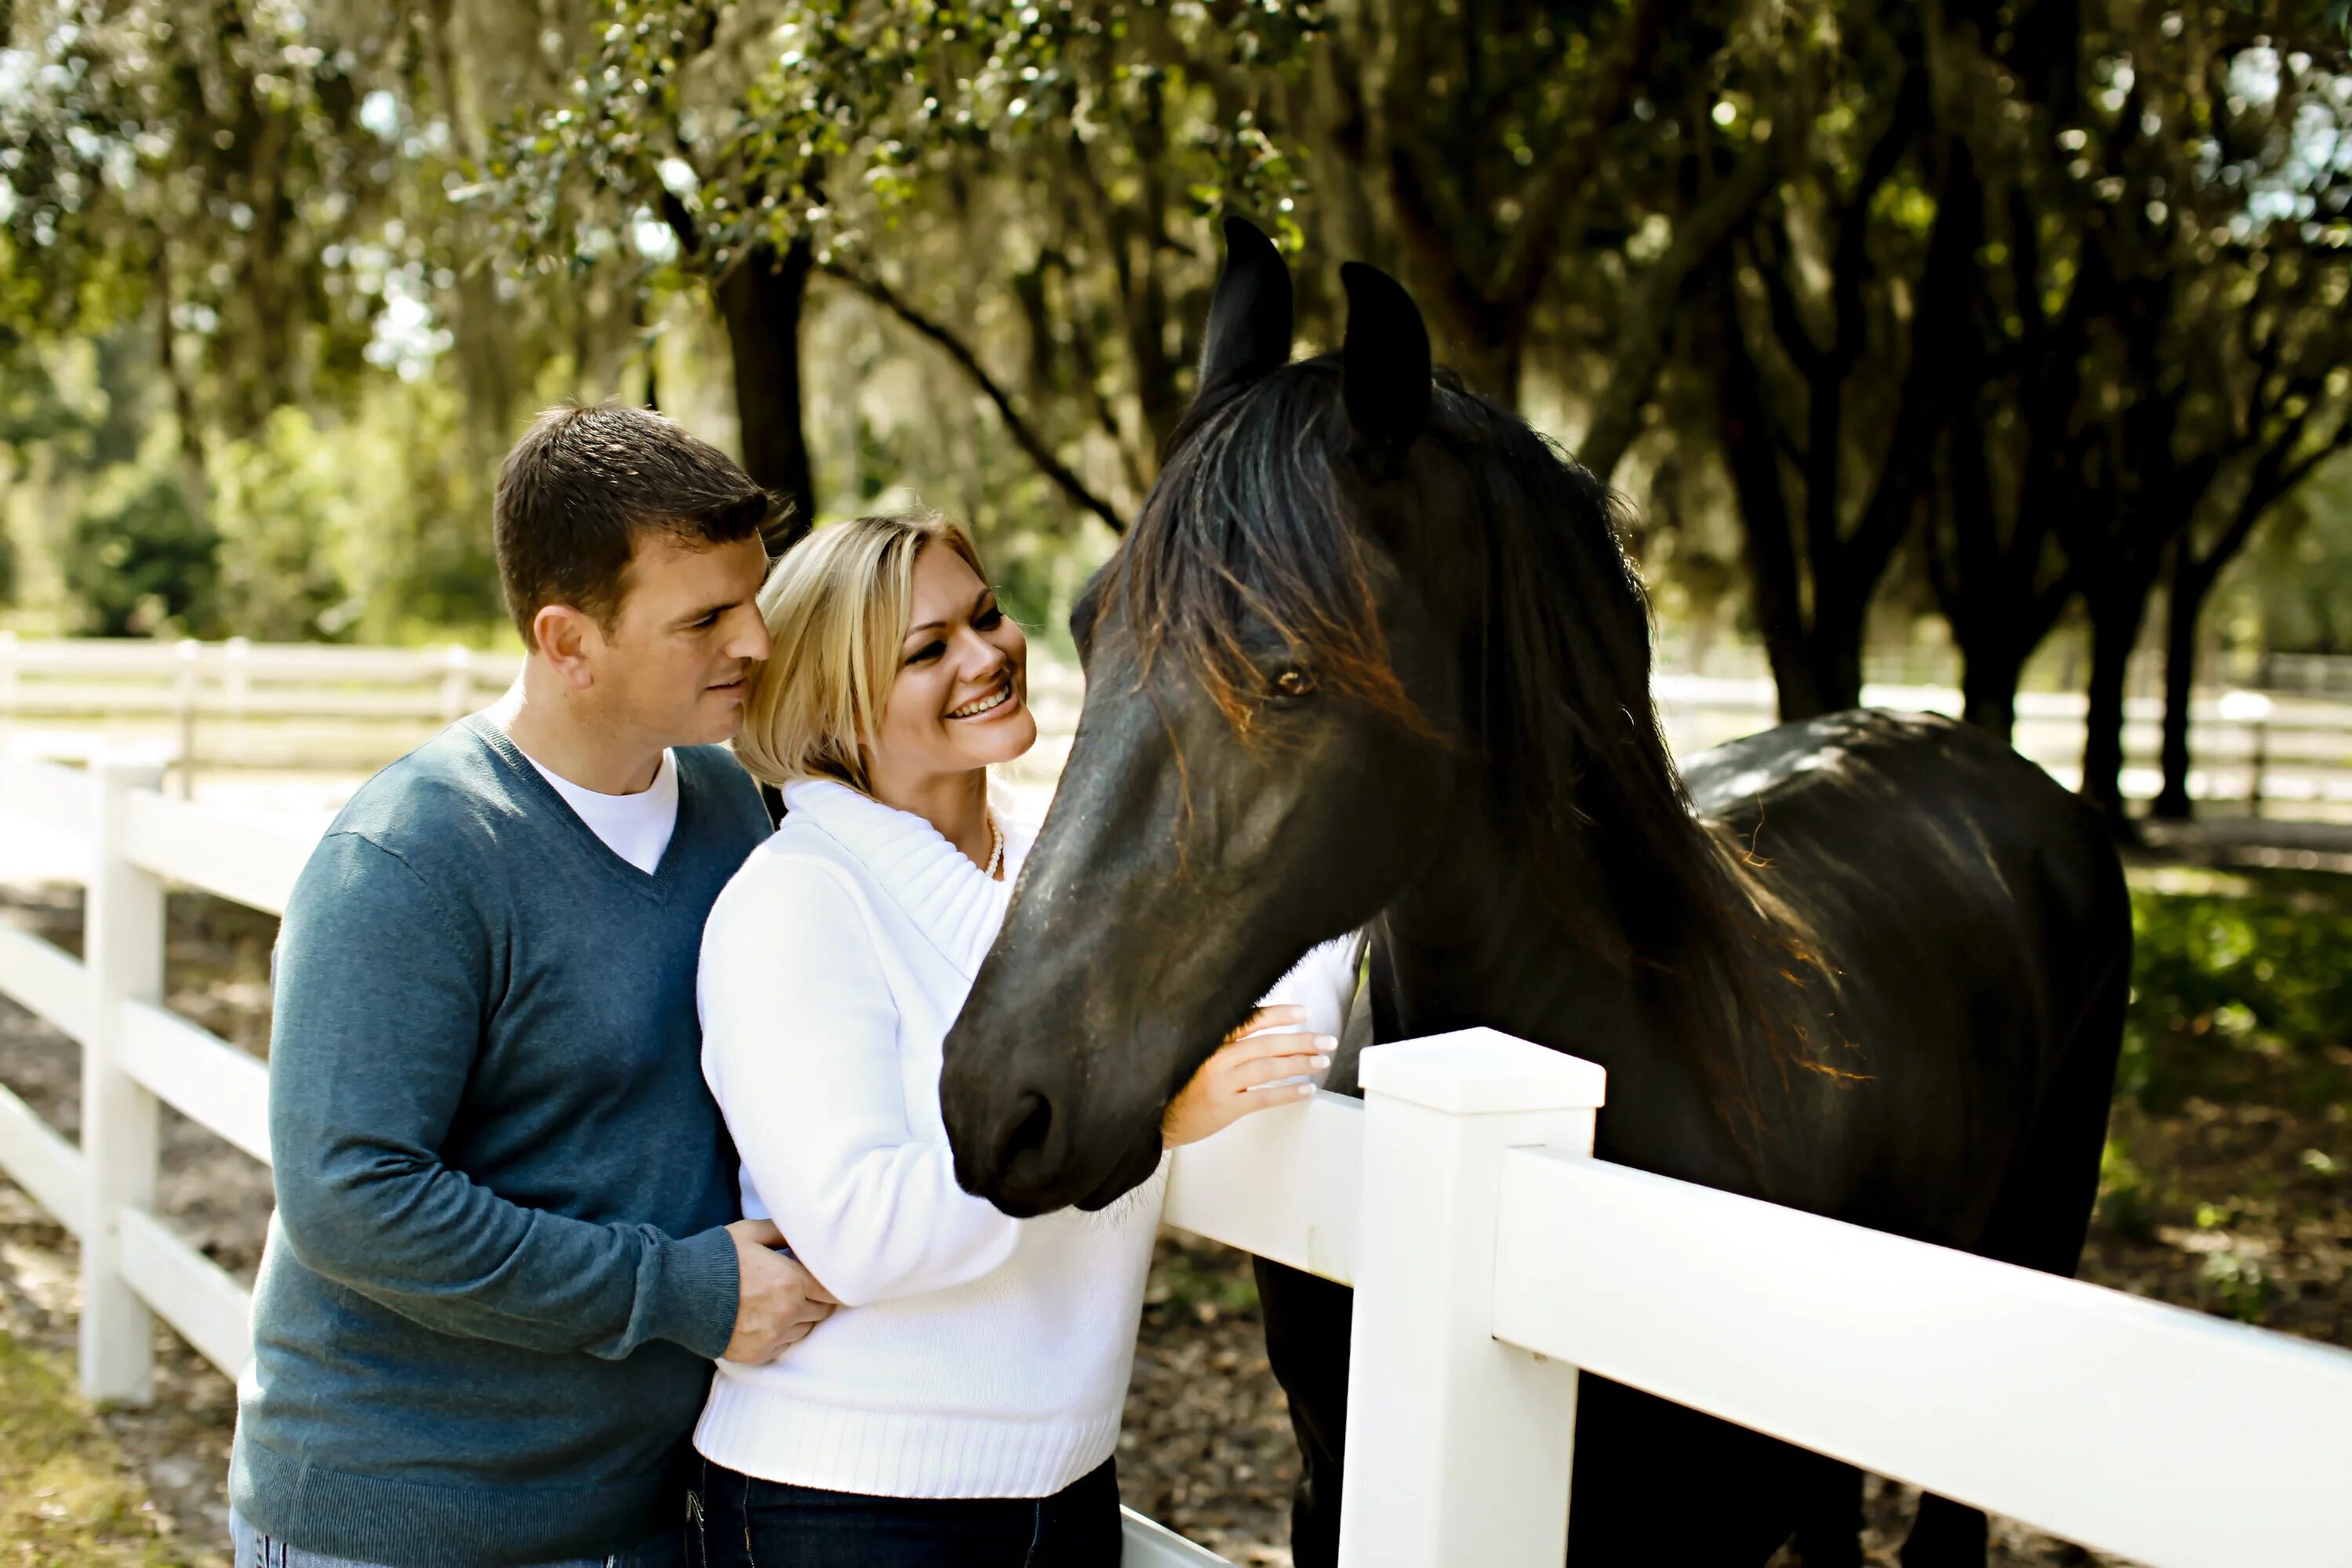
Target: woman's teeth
[(994, 700)]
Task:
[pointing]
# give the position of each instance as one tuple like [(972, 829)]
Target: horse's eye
[(1293, 683)]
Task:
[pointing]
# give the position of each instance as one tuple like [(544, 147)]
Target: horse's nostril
[(1031, 1125)]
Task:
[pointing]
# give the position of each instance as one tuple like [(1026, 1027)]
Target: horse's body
[(1371, 656), (1979, 948)]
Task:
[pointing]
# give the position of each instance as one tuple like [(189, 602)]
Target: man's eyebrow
[(985, 592)]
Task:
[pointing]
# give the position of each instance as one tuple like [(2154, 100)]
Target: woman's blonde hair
[(837, 608)]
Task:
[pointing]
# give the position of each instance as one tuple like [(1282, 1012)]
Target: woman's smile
[(998, 702)]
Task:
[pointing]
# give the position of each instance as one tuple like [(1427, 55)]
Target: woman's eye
[(927, 652), (1293, 683), (988, 620)]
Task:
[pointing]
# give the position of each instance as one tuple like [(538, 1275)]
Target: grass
[(2238, 976), (69, 1498)]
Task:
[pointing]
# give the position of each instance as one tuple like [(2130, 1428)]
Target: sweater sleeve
[(379, 1008), (800, 1044), (1323, 983)]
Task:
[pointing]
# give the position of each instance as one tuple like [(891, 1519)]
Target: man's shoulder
[(446, 796), (713, 775), (714, 768)]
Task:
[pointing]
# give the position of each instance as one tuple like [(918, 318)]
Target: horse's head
[(1279, 714)]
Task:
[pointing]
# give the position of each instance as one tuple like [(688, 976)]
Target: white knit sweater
[(974, 1355)]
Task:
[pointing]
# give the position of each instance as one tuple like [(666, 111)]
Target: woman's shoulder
[(799, 875)]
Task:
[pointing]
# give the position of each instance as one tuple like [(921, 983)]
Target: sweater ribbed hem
[(412, 1524), (775, 1437), (701, 1291)]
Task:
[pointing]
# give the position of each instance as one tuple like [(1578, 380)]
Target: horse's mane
[(1249, 523)]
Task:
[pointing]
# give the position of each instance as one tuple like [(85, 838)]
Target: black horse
[(1372, 655)]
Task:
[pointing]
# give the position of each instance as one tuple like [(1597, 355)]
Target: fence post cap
[(1475, 1072), (133, 757)]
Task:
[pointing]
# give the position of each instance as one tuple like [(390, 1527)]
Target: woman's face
[(961, 701)]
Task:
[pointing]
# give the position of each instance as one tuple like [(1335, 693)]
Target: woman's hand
[(1234, 1082)]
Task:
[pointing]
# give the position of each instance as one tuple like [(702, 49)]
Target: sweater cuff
[(701, 1287)]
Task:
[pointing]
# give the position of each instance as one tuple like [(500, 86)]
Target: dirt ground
[(2244, 1208)]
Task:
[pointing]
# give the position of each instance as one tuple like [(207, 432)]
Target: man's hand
[(779, 1301)]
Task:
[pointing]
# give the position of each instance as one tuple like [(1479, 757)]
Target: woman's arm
[(1323, 984), (800, 1044)]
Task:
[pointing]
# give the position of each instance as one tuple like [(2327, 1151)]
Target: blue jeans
[(250, 1549), (744, 1522)]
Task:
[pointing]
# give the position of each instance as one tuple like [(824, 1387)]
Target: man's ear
[(565, 639)]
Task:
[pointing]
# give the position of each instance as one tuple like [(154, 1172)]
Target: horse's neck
[(1481, 940)]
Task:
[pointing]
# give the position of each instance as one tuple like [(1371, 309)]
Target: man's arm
[(380, 1002)]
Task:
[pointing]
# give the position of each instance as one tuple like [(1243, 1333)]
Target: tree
[(1833, 323)]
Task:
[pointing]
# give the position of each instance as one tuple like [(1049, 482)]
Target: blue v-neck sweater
[(496, 1279)]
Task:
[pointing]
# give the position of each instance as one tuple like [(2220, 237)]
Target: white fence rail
[(299, 706), (313, 707), (1491, 1255)]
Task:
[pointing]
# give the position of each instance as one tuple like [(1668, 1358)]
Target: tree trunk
[(1989, 673), (2185, 604), (760, 298), (2115, 615)]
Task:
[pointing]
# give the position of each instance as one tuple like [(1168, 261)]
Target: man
[(501, 1263)]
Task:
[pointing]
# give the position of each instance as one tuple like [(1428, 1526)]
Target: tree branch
[(1565, 182), (1023, 435), (1641, 340)]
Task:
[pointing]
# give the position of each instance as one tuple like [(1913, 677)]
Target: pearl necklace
[(995, 850)]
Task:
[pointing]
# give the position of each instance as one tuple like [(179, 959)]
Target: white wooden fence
[(313, 707), (243, 704), (1491, 1255)]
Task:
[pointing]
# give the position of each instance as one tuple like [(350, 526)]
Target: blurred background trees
[(2018, 330)]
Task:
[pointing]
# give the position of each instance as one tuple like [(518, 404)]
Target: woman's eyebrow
[(943, 626)]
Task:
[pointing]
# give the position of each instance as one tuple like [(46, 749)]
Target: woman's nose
[(977, 658)]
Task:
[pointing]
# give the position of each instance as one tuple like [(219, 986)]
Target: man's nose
[(750, 639)]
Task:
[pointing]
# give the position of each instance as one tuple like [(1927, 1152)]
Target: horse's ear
[(1249, 313), (1385, 359)]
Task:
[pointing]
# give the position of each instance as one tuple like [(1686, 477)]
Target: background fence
[(1491, 1256), (231, 711)]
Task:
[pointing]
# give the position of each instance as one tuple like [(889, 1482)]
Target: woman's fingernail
[(1320, 1062), (1326, 1042), (1305, 1090)]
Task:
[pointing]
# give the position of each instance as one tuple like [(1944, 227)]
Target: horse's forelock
[(1249, 522), (1246, 525)]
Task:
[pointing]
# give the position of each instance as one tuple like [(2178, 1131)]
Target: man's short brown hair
[(581, 486)]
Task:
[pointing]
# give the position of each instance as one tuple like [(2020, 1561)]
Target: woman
[(962, 1406)]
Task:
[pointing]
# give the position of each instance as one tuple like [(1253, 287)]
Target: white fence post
[(187, 680), (457, 683), (1458, 1445), (123, 948), (10, 657)]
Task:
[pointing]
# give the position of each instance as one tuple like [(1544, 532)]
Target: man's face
[(674, 667)]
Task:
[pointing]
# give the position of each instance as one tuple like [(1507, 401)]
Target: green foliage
[(2229, 968), (140, 562), (277, 502)]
